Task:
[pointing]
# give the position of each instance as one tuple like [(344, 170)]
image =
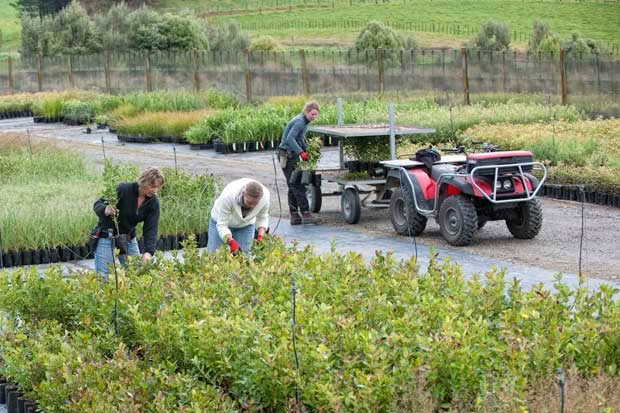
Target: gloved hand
[(260, 237), (304, 156), (234, 246)]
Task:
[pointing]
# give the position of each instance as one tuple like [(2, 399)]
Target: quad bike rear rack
[(471, 175)]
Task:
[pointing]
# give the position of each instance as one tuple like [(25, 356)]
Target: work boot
[(308, 218), (295, 218)]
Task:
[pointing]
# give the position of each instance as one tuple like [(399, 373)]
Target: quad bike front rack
[(520, 175), (493, 199)]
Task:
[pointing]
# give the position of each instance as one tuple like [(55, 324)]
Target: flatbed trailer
[(355, 194)]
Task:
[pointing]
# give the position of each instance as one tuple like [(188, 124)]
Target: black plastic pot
[(200, 146), (28, 406), (17, 258), (160, 244), (65, 254), (7, 260), (11, 400), (8, 389), (83, 252), (36, 257), (45, 256), (173, 242), (3, 393), (202, 239), (141, 245), (27, 257), (20, 405), (54, 255)]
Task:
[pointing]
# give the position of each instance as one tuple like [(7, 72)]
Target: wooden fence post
[(147, 72), (504, 79), (304, 72), (381, 70), (11, 85), (564, 83), (70, 71), (248, 78), (39, 73), (465, 77), (106, 73), (196, 65)]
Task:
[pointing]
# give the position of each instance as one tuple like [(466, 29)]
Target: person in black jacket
[(137, 202)]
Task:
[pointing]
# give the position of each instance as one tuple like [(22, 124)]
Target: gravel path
[(556, 248)]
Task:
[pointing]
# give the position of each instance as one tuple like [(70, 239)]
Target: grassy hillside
[(10, 27), (599, 21), (591, 20)]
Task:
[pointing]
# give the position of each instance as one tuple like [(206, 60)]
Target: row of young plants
[(585, 152), (379, 336), (64, 189)]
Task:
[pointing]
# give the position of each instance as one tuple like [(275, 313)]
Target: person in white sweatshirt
[(242, 207)]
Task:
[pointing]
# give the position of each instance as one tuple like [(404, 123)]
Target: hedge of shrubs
[(286, 329)]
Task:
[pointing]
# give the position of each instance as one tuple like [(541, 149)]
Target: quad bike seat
[(439, 169)]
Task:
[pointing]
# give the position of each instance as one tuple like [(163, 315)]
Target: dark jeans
[(296, 192)]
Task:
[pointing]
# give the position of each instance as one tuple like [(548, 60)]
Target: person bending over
[(242, 207)]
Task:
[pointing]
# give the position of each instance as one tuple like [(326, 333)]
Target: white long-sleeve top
[(227, 209)]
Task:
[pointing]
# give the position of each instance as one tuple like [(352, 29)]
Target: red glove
[(233, 245), (259, 237), (304, 156)]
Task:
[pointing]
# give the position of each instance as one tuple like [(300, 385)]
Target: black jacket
[(129, 215)]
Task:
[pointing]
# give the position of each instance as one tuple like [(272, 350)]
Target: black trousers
[(296, 192)]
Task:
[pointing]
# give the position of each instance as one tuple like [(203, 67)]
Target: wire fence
[(462, 30), (258, 75), (248, 6)]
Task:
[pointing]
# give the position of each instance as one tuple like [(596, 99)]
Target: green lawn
[(10, 27)]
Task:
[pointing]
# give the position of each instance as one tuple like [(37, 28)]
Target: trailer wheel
[(315, 197), (528, 220), (458, 220), (351, 206), (405, 219)]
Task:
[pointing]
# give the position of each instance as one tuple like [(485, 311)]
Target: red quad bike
[(465, 191)]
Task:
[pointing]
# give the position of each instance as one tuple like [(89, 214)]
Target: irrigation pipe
[(293, 328), (275, 180)]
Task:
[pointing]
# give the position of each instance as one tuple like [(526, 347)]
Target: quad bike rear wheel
[(405, 219), (528, 220), (458, 220)]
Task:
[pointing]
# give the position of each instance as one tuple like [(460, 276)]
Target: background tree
[(541, 30), (39, 8), (376, 35), (493, 36)]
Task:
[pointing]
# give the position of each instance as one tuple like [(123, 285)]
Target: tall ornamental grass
[(160, 124), (48, 199)]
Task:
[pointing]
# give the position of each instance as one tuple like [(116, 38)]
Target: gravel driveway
[(556, 248)]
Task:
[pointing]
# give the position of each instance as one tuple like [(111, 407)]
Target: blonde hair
[(253, 190), (152, 177), (311, 105)]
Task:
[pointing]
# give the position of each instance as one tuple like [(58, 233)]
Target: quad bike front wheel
[(458, 220), (527, 220), (405, 219)]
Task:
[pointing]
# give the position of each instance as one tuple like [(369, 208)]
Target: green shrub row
[(371, 336)]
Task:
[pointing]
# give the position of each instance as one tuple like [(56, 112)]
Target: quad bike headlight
[(507, 184)]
